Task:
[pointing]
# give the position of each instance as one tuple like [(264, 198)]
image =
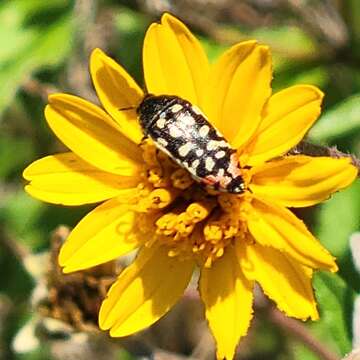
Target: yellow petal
[(68, 180), (298, 181), (104, 234), (277, 227), (238, 88), (228, 298), (144, 292), (117, 90), (288, 115), (283, 280), (174, 61), (90, 133)]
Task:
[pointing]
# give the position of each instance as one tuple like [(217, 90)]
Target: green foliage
[(131, 29), (337, 219), (342, 120), (124, 355), (42, 353), (301, 352), (22, 214), (29, 45), (335, 302), (297, 42), (15, 152)]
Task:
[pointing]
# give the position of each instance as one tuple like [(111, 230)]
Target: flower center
[(184, 216)]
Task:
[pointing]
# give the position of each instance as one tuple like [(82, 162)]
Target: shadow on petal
[(145, 291)]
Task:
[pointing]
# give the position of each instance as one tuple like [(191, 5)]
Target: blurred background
[(44, 48)]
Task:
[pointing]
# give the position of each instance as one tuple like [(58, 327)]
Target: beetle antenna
[(127, 108)]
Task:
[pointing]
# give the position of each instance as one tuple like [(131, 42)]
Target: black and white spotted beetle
[(181, 131)]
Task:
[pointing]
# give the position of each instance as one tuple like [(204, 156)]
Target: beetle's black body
[(180, 130)]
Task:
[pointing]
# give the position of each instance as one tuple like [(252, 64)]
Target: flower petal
[(288, 115), (174, 61), (144, 292), (228, 298), (117, 90), (298, 181), (90, 133), (238, 89), (68, 180), (283, 280), (104, 234), (277, 227)]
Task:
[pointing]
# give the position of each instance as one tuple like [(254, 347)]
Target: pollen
[(190, 220)]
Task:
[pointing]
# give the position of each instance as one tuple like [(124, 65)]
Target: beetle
[(182, 131)]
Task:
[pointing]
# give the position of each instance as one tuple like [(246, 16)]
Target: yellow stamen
[(181, 179), (166, 224), (157, 178), (197, 221), (157, 199), (213, 232), (180, 224), (201, 209)]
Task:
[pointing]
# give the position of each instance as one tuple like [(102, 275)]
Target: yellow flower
[(154, 205)]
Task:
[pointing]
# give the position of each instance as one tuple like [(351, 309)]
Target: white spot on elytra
[(220, 154), (187, 119), (221, 172), (199, 152), (175, 131), (195, 164), (175, 108), (204, 130), (161, 123), (212, 145), (162, 115), (185, 149), (162, 141), (209, 163)]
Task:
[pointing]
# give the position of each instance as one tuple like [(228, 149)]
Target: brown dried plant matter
[(75, 298)]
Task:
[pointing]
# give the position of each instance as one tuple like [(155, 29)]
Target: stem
[(300, 332), (306, 148), (36, 88)]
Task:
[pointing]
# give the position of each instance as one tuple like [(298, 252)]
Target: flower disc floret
[(214, 217)]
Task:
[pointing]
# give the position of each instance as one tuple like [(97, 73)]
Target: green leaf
[(27, 44), (298, 73), (123, 355), (131, 27), (337, 219), (339, 121), (15, 152), (298, 43), (20, 215), (301, 352), (351, 14), (212, 48), (335, 303)]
